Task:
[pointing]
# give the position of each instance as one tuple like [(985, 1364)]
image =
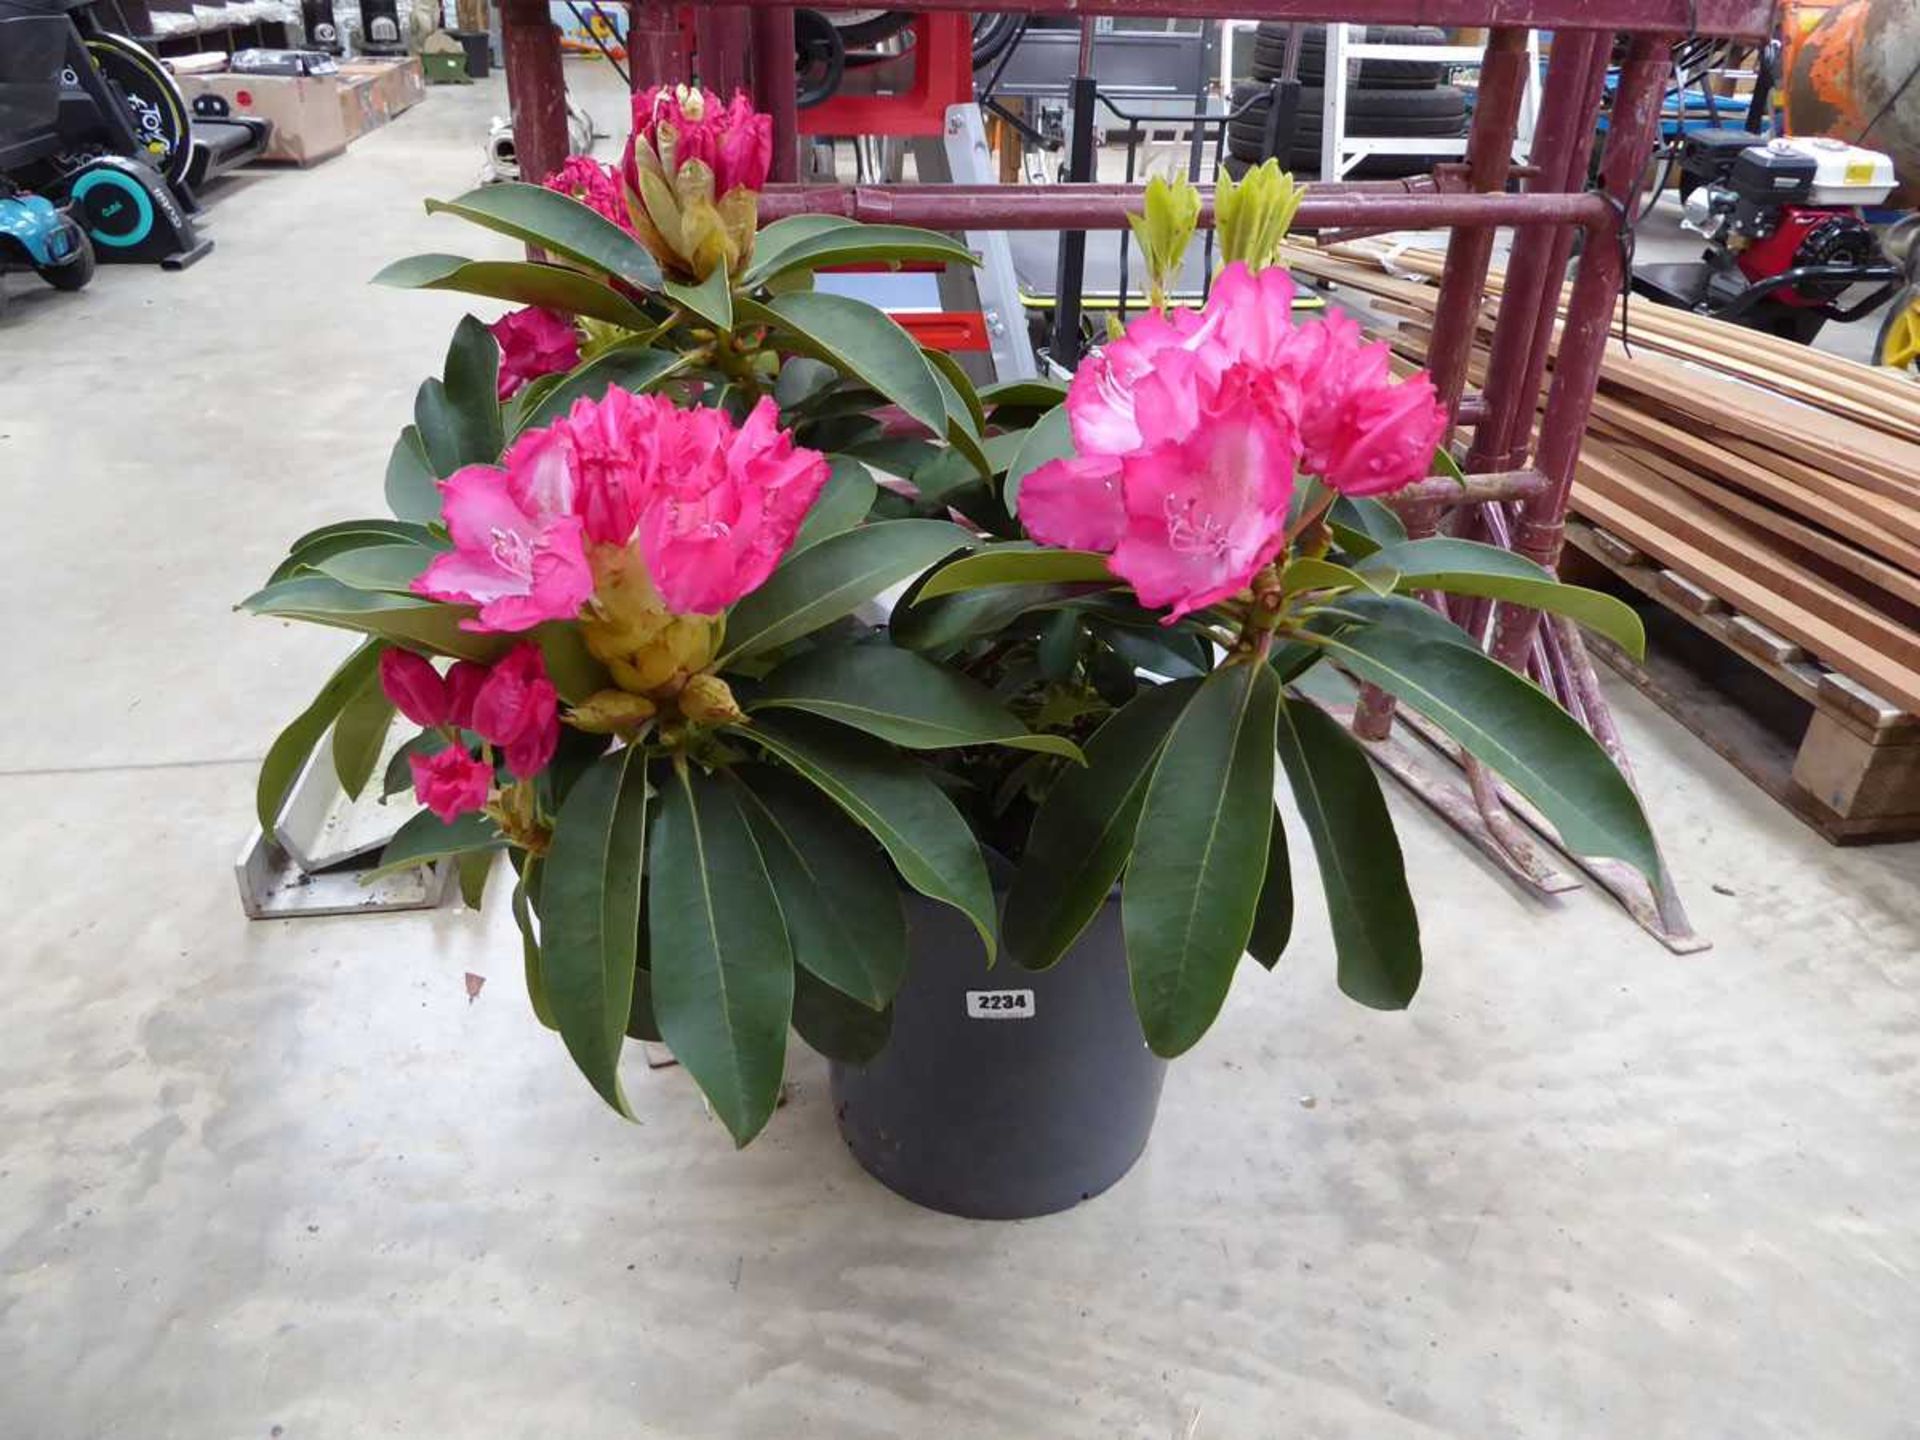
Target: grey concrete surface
[(284, 1179)]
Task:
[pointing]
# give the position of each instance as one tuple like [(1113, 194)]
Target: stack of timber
[(1768, 496)]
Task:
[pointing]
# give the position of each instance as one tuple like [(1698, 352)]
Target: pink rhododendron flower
[(594, 185), (517, 708), (451, 783), (711, 506), (414, 687), (732, 139), (463, 683), (1189, 428), (533, 342), (517, 554)]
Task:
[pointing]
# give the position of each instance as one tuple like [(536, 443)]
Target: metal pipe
[(1475, 490), (724, 44), (1087, 207), (1071, 272), (774, 87), (536, 87), (656, 46)]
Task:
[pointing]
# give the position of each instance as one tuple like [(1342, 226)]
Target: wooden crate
[(1840, 757)]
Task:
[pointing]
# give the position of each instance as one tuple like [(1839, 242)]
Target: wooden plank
[(1856, 778)]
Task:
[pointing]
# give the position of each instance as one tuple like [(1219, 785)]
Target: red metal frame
[(942, 60)]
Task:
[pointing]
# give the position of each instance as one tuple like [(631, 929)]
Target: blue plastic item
[(44, 235)]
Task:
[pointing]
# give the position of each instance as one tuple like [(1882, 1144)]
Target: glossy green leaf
[(1017, 564), (1402, 613), (472, 381), (1051, 438), (412, 486), (426, 838), (405, 619), (1024, 394), (931, 845), (902, 697), (590, 913), (642, 1023), (1170, 654), (711, 299), (288, 755), (842, 503), (1200, 855), (937, 627), (473, 868), (1273, 916), (551, 287), (1363, 525), (632, 366), (860, 341), (360, 734), (572, 668), (399, 773), (828, 580), (721, 968), (960, 385), (1512, 727), (1307, 573), (849, 244), (558, 224), (1466, 567), (773, 240), (1083, 832), (391, 567), (1376, 934), (836, 888), (834, 1025), (526, 892), (962, 435)]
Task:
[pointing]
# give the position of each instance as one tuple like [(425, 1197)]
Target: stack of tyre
[(1399, 98)]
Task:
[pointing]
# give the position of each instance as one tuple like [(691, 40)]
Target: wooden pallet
[(1839, 756)]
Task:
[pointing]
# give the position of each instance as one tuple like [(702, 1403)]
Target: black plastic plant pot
[(1003, 1093)]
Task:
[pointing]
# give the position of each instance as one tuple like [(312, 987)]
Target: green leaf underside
[(1200, 854), (1376, 933), (558, 224), (412, 487), (1273, 916), (1516, 730), (1083, 832), (391, 567), (931, 845), (474, 866), (836, 889), (903, 697), (359, 735), (551, 287), (1466, 567), (426, 838), (830, 579), (288, 754), (722, 972), (590, 913), (1011, 565)]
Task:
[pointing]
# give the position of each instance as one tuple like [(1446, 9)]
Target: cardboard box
[(397, 85), (308, 117)]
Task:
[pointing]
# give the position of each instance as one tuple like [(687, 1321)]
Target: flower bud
[(611, 712), (706, 700), (414, 687), (1252, 217)]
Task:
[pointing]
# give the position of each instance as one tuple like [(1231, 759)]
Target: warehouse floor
[(287, 1179)]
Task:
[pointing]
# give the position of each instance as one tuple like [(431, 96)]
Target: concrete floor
[(283, 1179)]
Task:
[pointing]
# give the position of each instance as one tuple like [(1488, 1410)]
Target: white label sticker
[(999, 1004)]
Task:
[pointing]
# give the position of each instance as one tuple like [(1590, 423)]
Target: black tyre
[(78, 270), (154, 102), (1374, 167), (862, 29), (1440, 113), (1270, 55)]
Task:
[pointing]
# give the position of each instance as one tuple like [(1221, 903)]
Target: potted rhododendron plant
[(624, 605)]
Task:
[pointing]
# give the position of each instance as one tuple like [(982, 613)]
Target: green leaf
[(1200, 855), (1362, 526), (359, 735), (722, 970), (711, 299), (900, 696), (473, 867), (558, 224), (836, 890), (1024, 394), (631, 366), (1170, 654), (1516, 731), (825, 581), (851, 244), (937, 627), (1398, 612), (526, 893), (405, 619), (1083, 832), (551, 287), (571, 667), (393, 566), (835, 1026), (1307, 573), (1376, 934), (961, 433), (472, 382), (1273, 916), (399, 774), (590, 909), (427, 838), (860, 341), (782, 235), (1049, 439), (905, 811), (1466, 567), (412, 488), (1016, 563), (842, 504), (959, 385), (642, 1024), (287, 757)]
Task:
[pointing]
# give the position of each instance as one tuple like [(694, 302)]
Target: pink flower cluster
[(533, 342), (710, 506), (511, 704), (732, 139), (594, 185), (1188, 431)]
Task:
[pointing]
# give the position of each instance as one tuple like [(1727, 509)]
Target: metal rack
[(1521, 471)]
